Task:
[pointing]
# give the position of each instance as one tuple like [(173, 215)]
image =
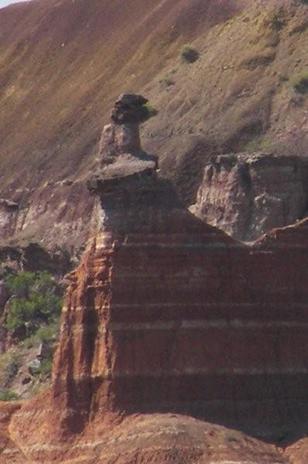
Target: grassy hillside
[(248, 91), (62, 63)]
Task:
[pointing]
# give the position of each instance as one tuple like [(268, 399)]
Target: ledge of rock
[(247, 195)]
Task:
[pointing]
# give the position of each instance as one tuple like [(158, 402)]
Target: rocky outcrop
[(167, 320), (8, 216), (34, 258), (120, 140), (64, 205), (248, 195)]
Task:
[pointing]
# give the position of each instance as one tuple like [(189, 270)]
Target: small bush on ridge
[(189, 54), (300, 82)]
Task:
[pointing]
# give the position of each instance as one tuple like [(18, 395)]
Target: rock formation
[(50, 122), (248, 195), (169, 322), (8, 216), (120, 141)]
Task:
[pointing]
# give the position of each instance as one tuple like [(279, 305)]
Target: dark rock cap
[(130, 108)]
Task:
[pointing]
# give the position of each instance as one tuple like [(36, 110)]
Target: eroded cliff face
[(64, 205), (166, 320), (247, 195)]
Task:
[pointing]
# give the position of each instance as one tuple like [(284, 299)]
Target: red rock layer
[(168, 314)]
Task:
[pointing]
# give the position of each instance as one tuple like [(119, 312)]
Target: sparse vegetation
[(35, 302), (259, 144), (189, 54), (167, 82), (45, 334), (149, 112), (43, 371), (32, 319), (277, 19), (300, 82), (8, 395), (292, 143), (262, 59), (9, 365)]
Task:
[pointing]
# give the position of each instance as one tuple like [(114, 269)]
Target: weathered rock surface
[(167, 319), (21, 222), (248, 195), (8, 216), (120, 140), (298, 452), (147, 438), (34, 258)]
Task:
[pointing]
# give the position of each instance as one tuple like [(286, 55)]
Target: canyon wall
[(168, 318)]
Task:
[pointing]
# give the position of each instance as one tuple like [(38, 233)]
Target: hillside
[(62, 64)]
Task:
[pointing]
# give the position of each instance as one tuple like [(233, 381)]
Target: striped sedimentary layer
[(178, 316), (243, 360), (166, 314)]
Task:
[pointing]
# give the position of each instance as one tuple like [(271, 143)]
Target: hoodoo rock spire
[(166, 314), (121, 137)]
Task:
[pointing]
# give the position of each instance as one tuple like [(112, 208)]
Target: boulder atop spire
[(130, 109), (120, 153)]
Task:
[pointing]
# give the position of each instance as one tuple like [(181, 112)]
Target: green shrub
[(43, 371), (20, 284), (10, 363), (189, 54), (8, 395), (300, 82), (35, 301), (46, 333), (149, 111)]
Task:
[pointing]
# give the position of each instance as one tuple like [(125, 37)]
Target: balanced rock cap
[(130, 109)]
